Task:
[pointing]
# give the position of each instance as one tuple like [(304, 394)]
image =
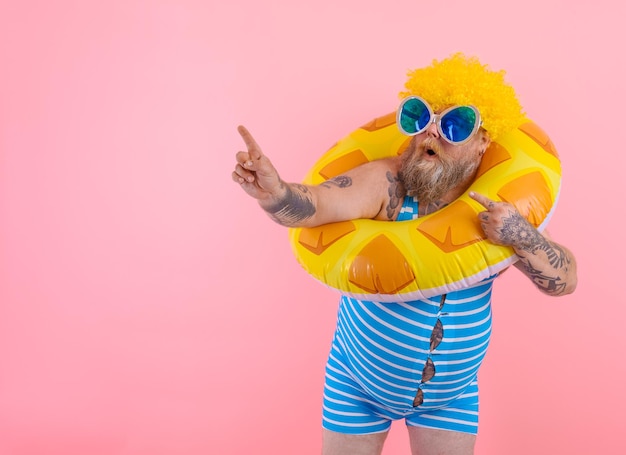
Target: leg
[(429, 441), (334, 443)]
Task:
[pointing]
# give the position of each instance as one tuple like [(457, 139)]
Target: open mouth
[(430, 152)]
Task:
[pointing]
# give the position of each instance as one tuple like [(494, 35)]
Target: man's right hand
[(254, 171)]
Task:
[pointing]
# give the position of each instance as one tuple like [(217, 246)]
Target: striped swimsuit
[(415, 360)]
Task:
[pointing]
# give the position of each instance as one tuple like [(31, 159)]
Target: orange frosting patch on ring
[(494, 155), (381, 268), (318, 239), (540, 137), (343, 164), (453, 228), (530, 194), (380, 122)]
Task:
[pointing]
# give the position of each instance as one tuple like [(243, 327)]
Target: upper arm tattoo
[(341, 181), (396, 193)]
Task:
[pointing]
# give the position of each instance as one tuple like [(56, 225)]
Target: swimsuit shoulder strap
[(409, 210)]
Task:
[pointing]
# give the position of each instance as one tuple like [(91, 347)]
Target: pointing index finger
[(253, 148), (483, 200)]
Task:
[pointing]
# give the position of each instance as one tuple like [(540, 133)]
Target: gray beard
[(429, 181)]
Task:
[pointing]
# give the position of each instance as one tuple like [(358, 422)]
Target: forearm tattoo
[(552, 285), (518, 232), (295, 207), (396, 194), (341, 181)]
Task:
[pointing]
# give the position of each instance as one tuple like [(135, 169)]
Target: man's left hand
[(502, 223)]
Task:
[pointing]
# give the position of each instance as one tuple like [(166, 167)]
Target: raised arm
[(551, 266), (363, 192)]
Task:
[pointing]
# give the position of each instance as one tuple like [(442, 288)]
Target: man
[(416, 360)]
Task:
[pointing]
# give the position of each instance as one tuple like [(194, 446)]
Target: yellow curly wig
[(464, 80)]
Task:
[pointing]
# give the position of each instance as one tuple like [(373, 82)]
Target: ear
[(485, 140)]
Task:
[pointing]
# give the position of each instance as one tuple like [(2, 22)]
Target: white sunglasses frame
[(436, 118)]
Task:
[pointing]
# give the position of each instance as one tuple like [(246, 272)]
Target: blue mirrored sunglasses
[(457, 124)]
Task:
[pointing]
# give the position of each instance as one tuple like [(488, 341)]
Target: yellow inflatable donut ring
[(389, 261)]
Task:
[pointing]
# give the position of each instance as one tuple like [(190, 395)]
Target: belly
[(419, 354)]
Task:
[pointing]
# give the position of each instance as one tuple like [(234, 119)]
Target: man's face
[(431, 167)]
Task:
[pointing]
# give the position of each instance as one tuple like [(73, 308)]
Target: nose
[(432, 130)]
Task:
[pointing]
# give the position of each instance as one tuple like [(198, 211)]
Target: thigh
[(430, 441), (460, 415), (334, 443), (347, 407)]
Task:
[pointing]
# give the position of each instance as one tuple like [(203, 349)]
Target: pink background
[(148, 307)]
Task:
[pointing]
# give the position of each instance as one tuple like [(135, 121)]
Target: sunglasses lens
[(459, 123), (414, 116)]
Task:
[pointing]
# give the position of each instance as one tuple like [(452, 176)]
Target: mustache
[(430, 143), (418, 151)]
